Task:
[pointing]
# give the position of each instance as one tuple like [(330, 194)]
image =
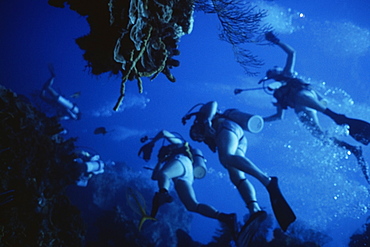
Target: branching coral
[(137, 38), (241, 25)]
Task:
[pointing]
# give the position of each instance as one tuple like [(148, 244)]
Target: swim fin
[(357, 152), (159, 199), (143, 219), (250, 229), (283, 213), (358, 129)]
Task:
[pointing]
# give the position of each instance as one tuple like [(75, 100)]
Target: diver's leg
[(227, 144), (49, 83), (245, 188), (187, 196), (337, 118), (310, 120), (48, 90), (170, 170), (357, 152), (309, 98), (358, 129)]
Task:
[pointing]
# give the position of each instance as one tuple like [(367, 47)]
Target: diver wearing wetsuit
[(66, 109), (181, 163), (224, 133), (305, 101)]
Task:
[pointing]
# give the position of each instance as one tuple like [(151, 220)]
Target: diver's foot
[(357, 152), (282, 211), (339, 119), (47, 85), (250, 228), (230, 220), (159, 199), (258, 216)]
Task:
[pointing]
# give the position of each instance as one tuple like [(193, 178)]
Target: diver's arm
[(158, 136), (171, 137), (290, 61), (277, 116), (165, 134), (209, 110)]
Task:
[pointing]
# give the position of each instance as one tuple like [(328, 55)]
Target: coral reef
[(137, 38), (362, 236), (36, 167), (115, 219)]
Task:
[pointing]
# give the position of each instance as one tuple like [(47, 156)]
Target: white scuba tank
[(248, 122), (199, 163)]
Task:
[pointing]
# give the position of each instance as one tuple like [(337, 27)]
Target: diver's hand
[(147, 150), (271, 37)]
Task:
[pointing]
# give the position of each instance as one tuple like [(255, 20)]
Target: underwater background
[(323, 184)]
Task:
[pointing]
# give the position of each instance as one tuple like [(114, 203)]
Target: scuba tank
[(248, 122), (199, 163)]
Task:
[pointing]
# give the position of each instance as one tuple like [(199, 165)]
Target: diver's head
[(274, 73), (197, 132)]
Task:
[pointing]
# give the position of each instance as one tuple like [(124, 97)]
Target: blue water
[(324, 185)]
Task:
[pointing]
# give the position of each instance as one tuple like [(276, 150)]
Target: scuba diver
[(224, 133), (88, 165), (300, 96), (65, 109), (181, 163)]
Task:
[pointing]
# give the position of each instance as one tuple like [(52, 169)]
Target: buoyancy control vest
[(285, 95)]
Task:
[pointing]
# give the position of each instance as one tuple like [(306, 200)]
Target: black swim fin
[(357, 151), (283, 213), (250, 228), (358, 129)]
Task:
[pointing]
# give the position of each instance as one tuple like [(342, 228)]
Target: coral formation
[(111, 194), (36, 167), (362, 236), (137, 38), (241, 25)]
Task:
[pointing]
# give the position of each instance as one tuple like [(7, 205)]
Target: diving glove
[(271, 37), (147, 150)]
